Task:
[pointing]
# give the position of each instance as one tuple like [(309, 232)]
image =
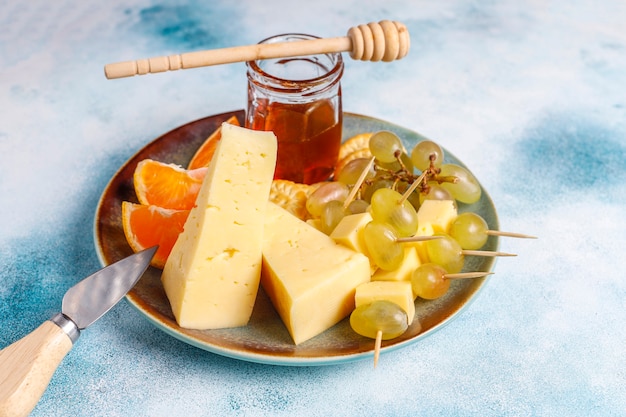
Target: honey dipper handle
[(385, 40), (226, 56)]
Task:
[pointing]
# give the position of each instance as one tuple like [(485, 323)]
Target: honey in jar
[(299, 99)]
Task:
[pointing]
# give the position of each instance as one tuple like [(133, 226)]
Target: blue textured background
[(530, 95)]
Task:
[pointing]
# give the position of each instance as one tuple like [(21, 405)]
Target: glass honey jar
[(299, 99)]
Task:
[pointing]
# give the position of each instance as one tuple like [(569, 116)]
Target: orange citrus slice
[(167, 185), (355, 143), (205, 152), (146, 226)]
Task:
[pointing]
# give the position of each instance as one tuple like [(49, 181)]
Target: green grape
[(327, 192), (358, 206), (466, 189), (382, 246), (384, 144), (435, 192), (332, 214), (385, 208), (422, 152), (352, 171), (470, 230), (380, 315), (446, 252), (369, 190), (429, 282)]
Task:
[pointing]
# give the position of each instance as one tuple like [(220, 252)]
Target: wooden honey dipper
[(383, 41)]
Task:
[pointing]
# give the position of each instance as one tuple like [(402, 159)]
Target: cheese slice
[(398, 292), (309, 278), (212, 275)]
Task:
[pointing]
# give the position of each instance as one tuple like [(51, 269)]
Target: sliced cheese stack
[(309, 278), (212, 275)]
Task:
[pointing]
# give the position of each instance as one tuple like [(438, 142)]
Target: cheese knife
[(27, 365)]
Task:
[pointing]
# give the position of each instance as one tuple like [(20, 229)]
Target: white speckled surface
[(530, 95)]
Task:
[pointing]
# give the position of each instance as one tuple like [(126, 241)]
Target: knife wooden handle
[(27, 366)]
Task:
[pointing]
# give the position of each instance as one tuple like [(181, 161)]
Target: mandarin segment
[(145, 226), (167, 185)]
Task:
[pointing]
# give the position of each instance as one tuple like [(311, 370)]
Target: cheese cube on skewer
[(398, 292)]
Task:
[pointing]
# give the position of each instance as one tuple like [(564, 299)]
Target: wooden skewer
[(358, 183), (509, 234), (463, 252), (379, 339), (485, 253), (386, 40), (412, 188), (465, 275), (417, 238)]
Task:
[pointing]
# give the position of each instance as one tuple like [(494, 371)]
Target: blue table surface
[(530, 95)]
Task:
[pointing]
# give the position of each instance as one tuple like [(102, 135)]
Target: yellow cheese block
[(309, 278), (405, 271), (398, 292), (348, 231), (435, 216), (212, 275)]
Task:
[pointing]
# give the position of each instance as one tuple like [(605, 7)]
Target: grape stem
[(405, 175), (449, 178)]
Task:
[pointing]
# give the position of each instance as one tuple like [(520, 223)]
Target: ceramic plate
[(265, 339)]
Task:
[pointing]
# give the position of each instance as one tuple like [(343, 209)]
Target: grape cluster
[(395, 172), (391, 186)]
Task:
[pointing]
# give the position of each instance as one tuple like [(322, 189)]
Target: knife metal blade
[(92, 297), (27, 365)]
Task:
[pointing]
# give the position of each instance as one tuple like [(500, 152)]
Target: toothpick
[(417, 238), (358, 183), (412, 188), (509, 234), (485, 253), (379, 339), (465, 275)]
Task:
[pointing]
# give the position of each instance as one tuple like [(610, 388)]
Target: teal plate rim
[(265, 339)]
